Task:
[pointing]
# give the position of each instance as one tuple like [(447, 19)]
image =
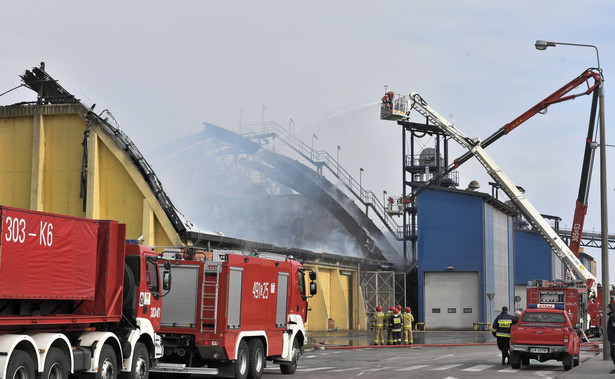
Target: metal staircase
[(261, 133)]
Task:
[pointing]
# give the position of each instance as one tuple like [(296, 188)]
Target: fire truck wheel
[(525, 360), (289, 369), (257, 358), (140, 363), (20, 366), (56, 365), (107, 364), (575, 361), (241, 363)]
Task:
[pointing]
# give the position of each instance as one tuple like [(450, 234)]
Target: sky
[(164, 68)]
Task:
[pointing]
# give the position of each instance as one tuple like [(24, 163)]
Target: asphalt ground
[(595, 367)]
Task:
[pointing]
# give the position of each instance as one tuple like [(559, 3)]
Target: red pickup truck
[(544, 334)]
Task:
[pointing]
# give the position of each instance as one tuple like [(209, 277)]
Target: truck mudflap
[(180, 368), (214, 353)]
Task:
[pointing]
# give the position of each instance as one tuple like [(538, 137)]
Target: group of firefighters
[(398, 324)]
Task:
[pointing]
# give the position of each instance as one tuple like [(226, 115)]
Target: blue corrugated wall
[(451, 233), (532, 257)]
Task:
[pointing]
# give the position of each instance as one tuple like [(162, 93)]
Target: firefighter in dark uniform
[(387, 322), (610, 332), (501, 330), (396, 326)]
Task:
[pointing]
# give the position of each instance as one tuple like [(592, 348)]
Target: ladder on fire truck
[(209, 296), (526, 208)]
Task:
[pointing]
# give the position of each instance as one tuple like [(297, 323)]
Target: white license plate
[(541, 350)]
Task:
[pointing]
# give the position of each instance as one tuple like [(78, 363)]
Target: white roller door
[(451, 300)]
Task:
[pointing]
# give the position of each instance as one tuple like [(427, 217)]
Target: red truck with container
[(545, 332), (75, 298)]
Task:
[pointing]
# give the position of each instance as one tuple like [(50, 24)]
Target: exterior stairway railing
[(322, 159)]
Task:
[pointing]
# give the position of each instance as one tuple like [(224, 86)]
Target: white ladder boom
[(526, 208)]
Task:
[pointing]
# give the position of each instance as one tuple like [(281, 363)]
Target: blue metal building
[(466, 257), (472, 260)]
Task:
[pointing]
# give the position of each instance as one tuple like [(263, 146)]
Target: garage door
[(451, 300)]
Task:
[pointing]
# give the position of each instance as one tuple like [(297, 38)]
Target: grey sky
[(163, 68)]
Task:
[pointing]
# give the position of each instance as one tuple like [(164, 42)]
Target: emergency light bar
[(546, 306)]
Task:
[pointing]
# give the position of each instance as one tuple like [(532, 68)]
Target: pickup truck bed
[(544, 334)]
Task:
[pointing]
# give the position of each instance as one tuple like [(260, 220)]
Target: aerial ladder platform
[(559, 247)]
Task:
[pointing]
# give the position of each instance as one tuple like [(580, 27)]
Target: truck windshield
[(544, 317), (301, 284)]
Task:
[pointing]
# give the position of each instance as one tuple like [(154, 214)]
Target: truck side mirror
[(312, 275), (313, 288), (166, 280), (166, 277)]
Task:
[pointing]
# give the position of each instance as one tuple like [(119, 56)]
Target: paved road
[(482, 361)]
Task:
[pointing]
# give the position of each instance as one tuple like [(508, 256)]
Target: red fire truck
[(69, 290), (229, 312), (572, 295)]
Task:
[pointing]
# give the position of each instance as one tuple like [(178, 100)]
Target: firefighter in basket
[(378, 326), (387, 101), (408, 320)]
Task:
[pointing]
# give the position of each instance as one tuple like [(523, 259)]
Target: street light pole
[(604, 229)]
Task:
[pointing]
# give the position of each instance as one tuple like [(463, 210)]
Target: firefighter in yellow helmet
[(378, 326), (408, 320), (387, 322), (396, 327)]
